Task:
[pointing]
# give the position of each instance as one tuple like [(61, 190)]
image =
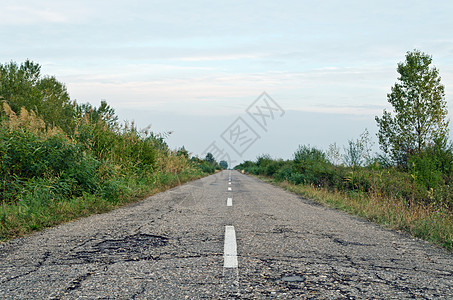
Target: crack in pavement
[(73, 285), (46, 255), (158, 249)]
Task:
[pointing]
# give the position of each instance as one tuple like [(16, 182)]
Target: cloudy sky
[(195, 67)]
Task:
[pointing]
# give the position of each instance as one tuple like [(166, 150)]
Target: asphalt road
[(172, 246)]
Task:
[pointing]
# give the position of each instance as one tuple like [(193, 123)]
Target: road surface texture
[(173, 246)]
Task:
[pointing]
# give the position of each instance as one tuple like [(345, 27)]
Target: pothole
[(130, 248), (134, 244)]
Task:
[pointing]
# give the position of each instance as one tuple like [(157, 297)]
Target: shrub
[(272, 167), (284, 172), (254, 170), (298, 178), (424, 168), (207, 167), (60, 160), (305, 156), (315, 167), (26, 157)]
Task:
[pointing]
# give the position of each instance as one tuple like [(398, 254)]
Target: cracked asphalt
[(170, 246)]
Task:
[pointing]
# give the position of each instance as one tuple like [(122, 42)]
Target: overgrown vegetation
[(403, 200), (60, 160), (407, 187)]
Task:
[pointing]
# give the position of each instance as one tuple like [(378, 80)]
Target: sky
[(198, 69)]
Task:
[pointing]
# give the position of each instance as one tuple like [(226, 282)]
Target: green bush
[(305, 156), (298, 178), (60, 160), (110, 190), (315, 168), (431, 168), (273, 167), (256, 170), (429, 181), (284, 172), (207, 167), (26, 157)]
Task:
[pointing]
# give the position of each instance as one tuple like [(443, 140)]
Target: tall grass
[(61, 160), (49, 177), (420, 220)]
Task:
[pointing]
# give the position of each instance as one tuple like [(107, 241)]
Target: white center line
[(230, 202), (229, 182), (230, 259), (229, 188)]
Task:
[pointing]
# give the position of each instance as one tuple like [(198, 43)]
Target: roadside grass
[(49, 177), (25, 217), (434, 225), (61, 161)]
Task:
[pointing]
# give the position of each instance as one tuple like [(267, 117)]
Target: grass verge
[(421, 221), (21, 219)]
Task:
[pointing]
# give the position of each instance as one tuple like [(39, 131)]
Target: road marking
[(230, 202), (229, 182), (230, 258), (229, 188)]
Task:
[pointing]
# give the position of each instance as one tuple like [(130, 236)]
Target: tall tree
[(223, 164), (210, 158), (420, 110), (23, 86), (18, 85)]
